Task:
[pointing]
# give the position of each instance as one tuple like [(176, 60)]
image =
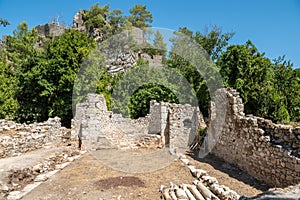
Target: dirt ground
[(93, 178), (230, 176)]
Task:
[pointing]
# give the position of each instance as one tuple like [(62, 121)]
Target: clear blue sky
[(272, 25)]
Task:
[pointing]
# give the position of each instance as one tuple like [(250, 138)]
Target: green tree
[(65, 55), (212, 40), (8, 103), (45, 77), (96, 17), (212, 43), (244, 68), (140, 101), (143, 83), (106, 85), (159, 44), (117, 21), (140, 17), (24, 60), (287, 83), (106, 21)]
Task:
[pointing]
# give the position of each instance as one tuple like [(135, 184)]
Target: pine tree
[(159, 44)]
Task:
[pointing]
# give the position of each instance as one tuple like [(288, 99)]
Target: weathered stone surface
[(18, 178), (291, 192), (177, 124), (166, 124), (78, 22), (265, 150), (50, 29), (20, 138)]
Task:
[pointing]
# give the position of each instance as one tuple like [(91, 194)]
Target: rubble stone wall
[(267, 151), (176, 123), (50, 29), (99, 128), (20, 138)]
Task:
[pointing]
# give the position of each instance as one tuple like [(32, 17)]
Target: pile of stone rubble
[(17, 180), (31, 153), (204, 187)]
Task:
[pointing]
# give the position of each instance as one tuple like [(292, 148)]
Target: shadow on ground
[(232, 170)]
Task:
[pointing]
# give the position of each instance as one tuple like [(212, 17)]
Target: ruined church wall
[(267, 151), (184, 121)]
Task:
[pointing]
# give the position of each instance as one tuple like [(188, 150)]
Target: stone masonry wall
[(267, 151), (176, 123), (50, 29), (20, 138), (171, 125), (99, 128)]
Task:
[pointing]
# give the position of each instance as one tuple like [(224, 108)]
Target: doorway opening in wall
[(167, 132)]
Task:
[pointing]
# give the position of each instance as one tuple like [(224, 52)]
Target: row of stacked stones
[(18, 138), (267, 151)]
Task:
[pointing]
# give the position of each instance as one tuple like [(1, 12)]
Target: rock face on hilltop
[(122, 58), (78, 22), (118, 60)]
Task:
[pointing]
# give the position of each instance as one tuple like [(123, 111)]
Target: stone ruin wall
[(167, 124), (99, 128), (267, 151), (50, 29), (20, 138), (176, 123)]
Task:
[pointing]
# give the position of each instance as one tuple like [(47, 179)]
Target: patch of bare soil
[(89, 178), (120, 181)]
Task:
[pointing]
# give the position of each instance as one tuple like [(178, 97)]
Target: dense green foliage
[(269, 89), (143, 83), (37, 81), (111, 22), (213, 43), (44, 76), (140, 100), (8, 103), (140, 17), (159, 45), (108, 22)]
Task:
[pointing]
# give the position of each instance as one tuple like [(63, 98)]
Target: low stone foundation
[(20, 138)]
